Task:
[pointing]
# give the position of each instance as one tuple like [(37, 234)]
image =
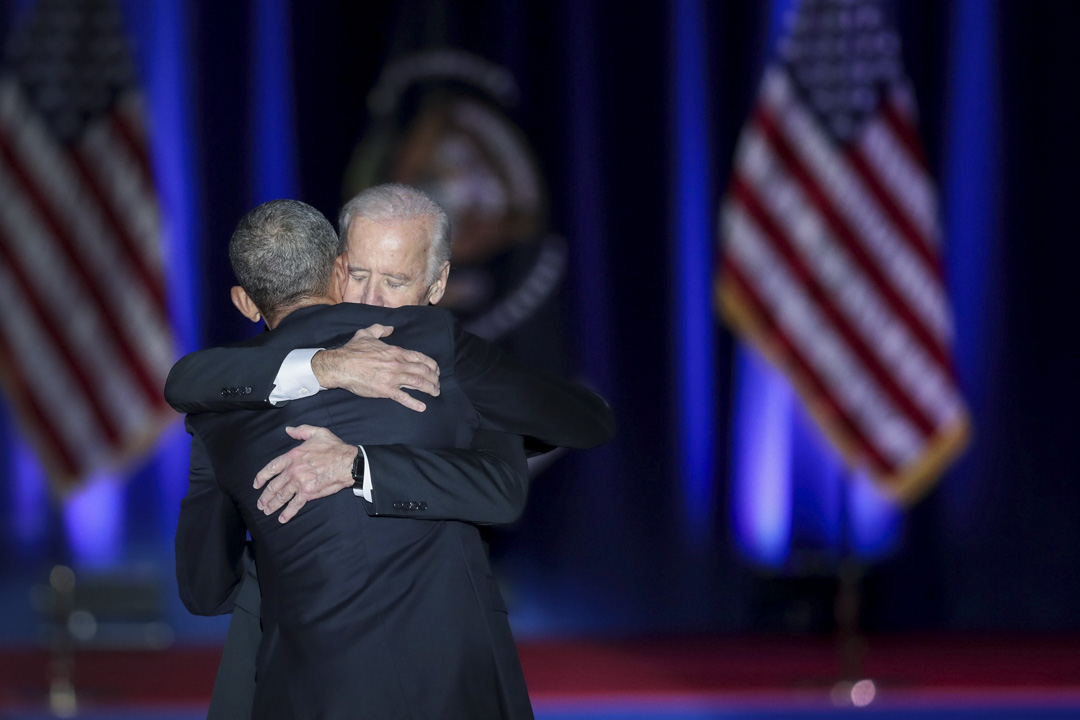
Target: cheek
[(396, 300), (403, 299), (354, 292), (422, 297)]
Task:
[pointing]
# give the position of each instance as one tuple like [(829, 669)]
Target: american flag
[(831, 252), (85, 341)]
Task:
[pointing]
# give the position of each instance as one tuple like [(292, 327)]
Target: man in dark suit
[(397, 243), (409, 607)]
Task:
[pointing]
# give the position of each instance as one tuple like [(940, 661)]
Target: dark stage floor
[(759, 678)]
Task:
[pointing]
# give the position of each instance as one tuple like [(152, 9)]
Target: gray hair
[(393, 202), (283, 252)]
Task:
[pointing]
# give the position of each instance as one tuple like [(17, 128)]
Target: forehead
[(373, 240)]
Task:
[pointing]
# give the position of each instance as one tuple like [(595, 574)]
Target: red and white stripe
[(833, 250), (86, 341)]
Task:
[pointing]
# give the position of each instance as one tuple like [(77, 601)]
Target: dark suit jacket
[(361, 614), (563, 414), (509, 397)]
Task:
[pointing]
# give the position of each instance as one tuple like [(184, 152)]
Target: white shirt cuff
[(366, 491), (295, 379)]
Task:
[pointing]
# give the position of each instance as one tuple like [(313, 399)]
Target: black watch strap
[(358, 469)]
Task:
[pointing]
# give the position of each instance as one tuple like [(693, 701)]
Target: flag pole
[(852, 688)]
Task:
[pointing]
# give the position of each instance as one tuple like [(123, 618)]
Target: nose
[(372, 296)]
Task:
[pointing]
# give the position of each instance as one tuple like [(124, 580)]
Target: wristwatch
[(358, 469)]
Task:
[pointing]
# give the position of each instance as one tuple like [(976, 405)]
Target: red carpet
[(701, 665), (620, 668)]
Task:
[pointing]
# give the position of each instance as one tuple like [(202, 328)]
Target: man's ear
[(243, 303), (435, 292), (340, 277)]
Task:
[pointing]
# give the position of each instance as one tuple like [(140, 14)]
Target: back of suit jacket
[(363, 616)]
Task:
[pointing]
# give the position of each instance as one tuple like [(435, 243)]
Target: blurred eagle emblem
[(440, 121)]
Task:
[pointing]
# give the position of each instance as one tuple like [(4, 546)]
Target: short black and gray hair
[(392, 202), (282, 253)]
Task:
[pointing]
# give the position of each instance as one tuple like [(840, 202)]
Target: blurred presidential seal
[(440, 121)]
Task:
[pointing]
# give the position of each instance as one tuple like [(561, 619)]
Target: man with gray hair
[(397, 249), (283, 258), (382, 222), (464, 663)]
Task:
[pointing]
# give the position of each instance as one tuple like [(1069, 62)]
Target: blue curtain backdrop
[(717, 508)]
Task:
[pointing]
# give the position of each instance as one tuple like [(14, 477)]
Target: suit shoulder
[(425, 314), (419, 328), (427, 319)]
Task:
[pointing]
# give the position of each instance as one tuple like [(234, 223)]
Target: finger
[(277, 477), (419, 377), (431, 364), (291, 509), (379, 331), (275, 502), (272, 499), (419, 357), (423, 368), (408, 401), (310, 434), (314, 432), (264, 498), (421, 371), (271, 470), (363, 334), (418, 382), (301, 432)]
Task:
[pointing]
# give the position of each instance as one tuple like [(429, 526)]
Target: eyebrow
[(396, 276)]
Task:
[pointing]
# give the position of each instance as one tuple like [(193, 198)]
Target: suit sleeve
[(221, 379), (512, 397), (486, 485), (210, 538)]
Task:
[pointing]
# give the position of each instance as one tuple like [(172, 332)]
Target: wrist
[(359, 471), (323, 366), (342, 472)]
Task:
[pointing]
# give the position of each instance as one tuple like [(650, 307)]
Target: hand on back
[(319, 466), (368, 367)]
